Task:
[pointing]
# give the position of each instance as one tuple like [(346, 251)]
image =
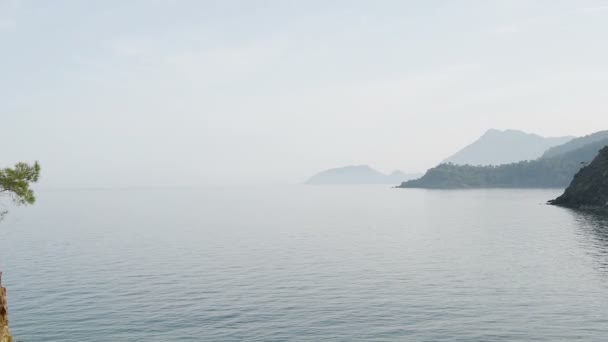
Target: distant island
[(359, 174), (552, 170), (589, 188), (497, 147)]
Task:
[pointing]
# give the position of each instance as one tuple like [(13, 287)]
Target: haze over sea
[(304, 263)]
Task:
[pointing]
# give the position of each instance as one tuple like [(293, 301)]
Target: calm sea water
[(304, 263)]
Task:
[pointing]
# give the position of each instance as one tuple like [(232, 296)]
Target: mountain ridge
[(575, 144), (497, 147), (550, 172)]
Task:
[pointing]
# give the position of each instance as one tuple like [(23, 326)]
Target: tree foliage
[(15, 182)]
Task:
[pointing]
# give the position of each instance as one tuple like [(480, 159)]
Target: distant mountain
[(359, 174), (497, 147), (575, 144), (589, 186), (554, 171)]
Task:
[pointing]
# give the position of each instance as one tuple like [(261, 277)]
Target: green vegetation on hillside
[(589, 186), (546, 172)]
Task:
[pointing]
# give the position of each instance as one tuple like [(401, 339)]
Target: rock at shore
[(589, 188), (5, 335)]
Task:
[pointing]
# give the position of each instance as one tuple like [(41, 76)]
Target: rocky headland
[(589, 188)]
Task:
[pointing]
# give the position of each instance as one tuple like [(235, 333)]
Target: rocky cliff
[(5, 335), (589, 186)]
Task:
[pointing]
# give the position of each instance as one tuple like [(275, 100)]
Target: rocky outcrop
[(5, 335), (589, 188)]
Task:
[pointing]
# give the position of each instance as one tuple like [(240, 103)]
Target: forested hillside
[(546, 172)]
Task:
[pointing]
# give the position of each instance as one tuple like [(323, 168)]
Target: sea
[(304, 263)]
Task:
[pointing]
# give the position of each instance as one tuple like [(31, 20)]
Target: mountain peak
[(492, 131), (497, 147)]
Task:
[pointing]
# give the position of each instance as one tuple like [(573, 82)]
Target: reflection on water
[(363, 263), (594, 228)]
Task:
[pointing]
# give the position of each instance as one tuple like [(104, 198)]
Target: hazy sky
[(115, 93)]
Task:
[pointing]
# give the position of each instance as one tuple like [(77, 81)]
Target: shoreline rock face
[(5, 335), (589, 188)]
